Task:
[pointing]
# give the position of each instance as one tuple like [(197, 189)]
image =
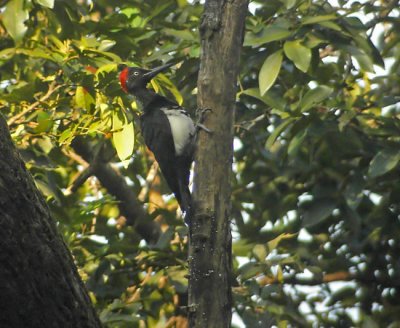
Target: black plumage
[(167, 130)]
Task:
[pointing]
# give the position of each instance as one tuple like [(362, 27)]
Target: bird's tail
[(185, 201)]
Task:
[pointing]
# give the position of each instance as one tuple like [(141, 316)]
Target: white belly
[(182, 128)]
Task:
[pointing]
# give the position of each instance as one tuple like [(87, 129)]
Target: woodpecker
[(167, 129)]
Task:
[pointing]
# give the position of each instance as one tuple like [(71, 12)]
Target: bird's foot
[(199, 125)]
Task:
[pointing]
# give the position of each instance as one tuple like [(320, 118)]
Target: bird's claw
[(203, 127), (199, 125)]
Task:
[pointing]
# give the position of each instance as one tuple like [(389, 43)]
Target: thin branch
[(80, 180), (327, 278), (149, 180), (116, 185), (52, 88)]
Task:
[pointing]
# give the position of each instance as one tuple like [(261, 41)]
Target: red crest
[(123, 76)]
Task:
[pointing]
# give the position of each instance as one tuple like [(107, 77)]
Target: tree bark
[(39, 282), (210, 259)]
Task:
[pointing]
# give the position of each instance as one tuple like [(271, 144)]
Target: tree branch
[(53, 87), (327, 278), (117, 186)]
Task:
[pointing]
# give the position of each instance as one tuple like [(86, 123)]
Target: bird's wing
[(158, 137), (183, 129)]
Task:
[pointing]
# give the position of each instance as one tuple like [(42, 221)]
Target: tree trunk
[(39, 283), (210, 260)]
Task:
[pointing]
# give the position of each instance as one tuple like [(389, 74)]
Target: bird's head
[(134, 78)]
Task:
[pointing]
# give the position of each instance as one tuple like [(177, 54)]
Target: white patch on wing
[(182, 128)]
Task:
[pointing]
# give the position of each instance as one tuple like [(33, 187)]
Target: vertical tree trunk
[(39, 283), (210, 299)]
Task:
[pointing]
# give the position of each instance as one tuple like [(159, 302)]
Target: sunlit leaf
[(83, 98), (14, 18), (298, 54), (260, 252), (272, 244), (65, 136), (269, 71), (44, 122), (123, 135), (46, 3), (279, 274), (106, 45)]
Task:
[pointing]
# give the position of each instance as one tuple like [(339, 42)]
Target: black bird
[(167, 129)]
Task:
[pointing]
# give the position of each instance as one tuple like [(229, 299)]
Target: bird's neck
[(144, 97)]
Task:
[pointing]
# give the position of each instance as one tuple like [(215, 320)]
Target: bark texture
[(210, 261), (39, 282)]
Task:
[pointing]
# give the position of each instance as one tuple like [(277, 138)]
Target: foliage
[(316, 185)]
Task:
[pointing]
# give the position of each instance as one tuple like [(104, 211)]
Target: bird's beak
[(150, 74)]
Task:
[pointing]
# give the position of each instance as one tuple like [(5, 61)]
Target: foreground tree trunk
[(210, 299), (39, 283)]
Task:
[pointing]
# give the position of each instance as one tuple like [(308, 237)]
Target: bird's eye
[(136, 73)]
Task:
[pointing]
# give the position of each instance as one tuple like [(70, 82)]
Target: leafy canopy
[(316, 163)]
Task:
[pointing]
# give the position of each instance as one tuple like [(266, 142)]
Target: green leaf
[(268, 98), (296, 142), (66, 136), (260, 252), (123, 135), (249, 270), (83, 98), (7, 54), (272, 244), (364, 60), (298, 54), (241, 247), (364, 43), (106, 45), (314, 96), (171, 87), (341, 294), (182, 3), (14, 18), (289, 3), (383, 162), (318, 19), (319, 211), (267, 34), (107, 68), (278, 130), (180, 34), (44, 122), (269, 71), (46, 3), (333, 26)]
